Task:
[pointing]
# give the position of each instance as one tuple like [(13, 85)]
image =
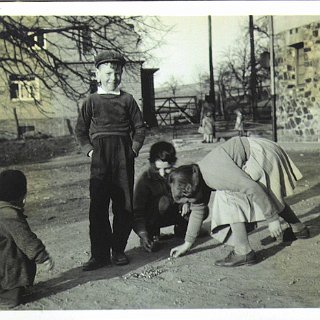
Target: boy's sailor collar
[(116, 91)]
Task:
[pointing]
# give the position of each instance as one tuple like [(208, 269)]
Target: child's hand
[(185, 210), (275, 228), (180, 250), (146, 242), (49, 264), (90, 153), (135, 153)]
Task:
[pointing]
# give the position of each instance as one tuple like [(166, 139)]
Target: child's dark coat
[(20, 249)]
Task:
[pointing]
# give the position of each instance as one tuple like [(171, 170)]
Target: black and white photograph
[(160, 159)]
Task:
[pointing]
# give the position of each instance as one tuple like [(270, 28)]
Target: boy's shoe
[(119, 258), (302, 234), (235, 260), (94, 264), (10, 298)]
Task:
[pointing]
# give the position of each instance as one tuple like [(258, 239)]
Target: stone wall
[(298, 105)]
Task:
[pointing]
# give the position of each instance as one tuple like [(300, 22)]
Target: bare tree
[(58, 50), (235, 70), (173, 84)]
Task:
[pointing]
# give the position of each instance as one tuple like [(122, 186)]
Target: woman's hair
[(13, 185), (163, 151), (185, 181)]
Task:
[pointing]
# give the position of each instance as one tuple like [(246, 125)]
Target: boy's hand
[(275, 228), (49, 264), (180, 250), (90, 153)]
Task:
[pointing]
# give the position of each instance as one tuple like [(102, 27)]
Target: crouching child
[(153, 204), (20, 249)]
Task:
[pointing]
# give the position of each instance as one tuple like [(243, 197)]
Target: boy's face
[(109, 74)]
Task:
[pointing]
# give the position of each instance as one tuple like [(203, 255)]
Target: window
[(24, 88), (300, 62), (37, 40), (300, 66)]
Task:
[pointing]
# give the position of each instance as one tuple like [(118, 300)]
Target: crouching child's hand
[(48, 264), (185, 210), (146, 242)]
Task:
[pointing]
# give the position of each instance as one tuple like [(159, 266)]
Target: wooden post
[(211, 92), (253, 75), (272, 80), (19, 135)]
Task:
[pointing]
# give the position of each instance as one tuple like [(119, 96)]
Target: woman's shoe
[(235, 260), (302, 234)]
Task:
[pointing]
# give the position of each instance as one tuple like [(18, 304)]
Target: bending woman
[(250, 177)]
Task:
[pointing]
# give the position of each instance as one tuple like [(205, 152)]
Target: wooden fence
[(175, 110)]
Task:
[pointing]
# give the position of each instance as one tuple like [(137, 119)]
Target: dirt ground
[(287, 275)]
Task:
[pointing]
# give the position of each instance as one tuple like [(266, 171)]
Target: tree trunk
[(19, 135)]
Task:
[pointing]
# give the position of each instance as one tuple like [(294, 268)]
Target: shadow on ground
[(75, 277), (305, 195)]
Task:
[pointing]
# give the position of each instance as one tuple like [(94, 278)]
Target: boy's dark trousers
[(112, 177)]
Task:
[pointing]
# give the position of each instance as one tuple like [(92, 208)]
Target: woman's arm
[(199, 212)]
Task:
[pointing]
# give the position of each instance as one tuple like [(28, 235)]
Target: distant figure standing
[(239, 122), (208, 127)]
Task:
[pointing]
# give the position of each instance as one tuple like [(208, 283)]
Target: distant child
[(239, 122), (111, 132), (208, 127), (153, 204), (20, 249)]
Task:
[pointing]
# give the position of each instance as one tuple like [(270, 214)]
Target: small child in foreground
[(20, 249)]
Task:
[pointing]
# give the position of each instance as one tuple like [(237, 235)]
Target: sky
[(185, 52)]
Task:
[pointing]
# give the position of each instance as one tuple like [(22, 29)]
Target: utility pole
[(253, 75), (272, 80), (212, 98)]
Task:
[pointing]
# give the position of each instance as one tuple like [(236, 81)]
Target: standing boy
[(110, 131)]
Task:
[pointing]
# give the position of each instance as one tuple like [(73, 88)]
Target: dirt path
[(287, 276)]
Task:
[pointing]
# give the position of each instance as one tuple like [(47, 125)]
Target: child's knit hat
[(109, 56), (13, 185)]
